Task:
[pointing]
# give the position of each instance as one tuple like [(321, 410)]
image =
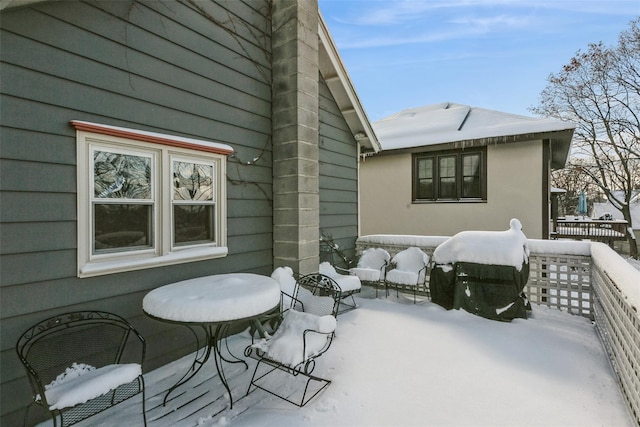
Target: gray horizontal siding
[(158, 66), (22, 144), (18, 238), (338, 176)]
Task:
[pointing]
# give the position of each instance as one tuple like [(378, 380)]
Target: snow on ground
[(394, 363), (635, 263)]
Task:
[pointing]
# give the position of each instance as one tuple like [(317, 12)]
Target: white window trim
[(166, 146)]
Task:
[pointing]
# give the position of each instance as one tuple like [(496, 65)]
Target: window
[(147, 199), (456, 175)]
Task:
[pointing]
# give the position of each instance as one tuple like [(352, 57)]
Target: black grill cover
[(491, 291)]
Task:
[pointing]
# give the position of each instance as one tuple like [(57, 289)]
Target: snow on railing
[(616, 286), (582, 278)]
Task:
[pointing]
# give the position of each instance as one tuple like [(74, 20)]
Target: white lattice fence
[(618, 324), (560, 281)]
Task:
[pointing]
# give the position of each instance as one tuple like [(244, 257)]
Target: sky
[(494, 54)]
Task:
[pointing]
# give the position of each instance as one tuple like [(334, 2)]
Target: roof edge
[(339, 80), (560, 144)]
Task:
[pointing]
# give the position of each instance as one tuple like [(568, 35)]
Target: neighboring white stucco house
[(448, 167), (599, 209)]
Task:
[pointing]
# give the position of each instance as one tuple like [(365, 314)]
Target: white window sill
[(99, 268)]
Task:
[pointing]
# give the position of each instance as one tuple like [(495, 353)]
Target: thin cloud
[(491, 22), (390, 13), (458, 28)]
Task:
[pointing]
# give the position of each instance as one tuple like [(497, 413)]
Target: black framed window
[(454, 175)]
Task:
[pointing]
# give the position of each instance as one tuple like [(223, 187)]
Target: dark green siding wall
[(159, 66), (338, 176)]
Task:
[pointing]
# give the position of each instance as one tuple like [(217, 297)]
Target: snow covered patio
[(394, 363)]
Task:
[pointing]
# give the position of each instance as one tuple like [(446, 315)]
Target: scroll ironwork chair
[(305, 333), (409, 271), (74, 363), (372, 266), (348, 283)]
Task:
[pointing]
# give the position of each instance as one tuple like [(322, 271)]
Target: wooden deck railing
[(582, 278), (589, 229)]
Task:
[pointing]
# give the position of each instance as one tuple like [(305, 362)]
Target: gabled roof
[(336, 76), (465, 126)]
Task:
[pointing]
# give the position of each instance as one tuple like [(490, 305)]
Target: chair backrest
[(374, 258), (90, 338), (327, 269), (288, 285), (412, 259), (318, 295)]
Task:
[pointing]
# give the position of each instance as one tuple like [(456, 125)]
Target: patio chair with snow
[(74, 363), (409, 271), (371, 267), (305, 332), (348, 283)]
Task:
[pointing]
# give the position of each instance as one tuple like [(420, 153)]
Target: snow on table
[(210, 299)]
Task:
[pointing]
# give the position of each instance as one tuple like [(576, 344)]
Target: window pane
[(122, 226), (447, 188), (425, 189), (448, 167), (425, 168), (193, 224), (471, 175), (192, 181), (424, 179), (447, 182), (471, 187), (471, 165), (121, 176)]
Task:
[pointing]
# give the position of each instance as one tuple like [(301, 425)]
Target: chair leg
[(144, 406), (323, 383)]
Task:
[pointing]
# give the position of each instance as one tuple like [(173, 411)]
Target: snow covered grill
[(483, 272)]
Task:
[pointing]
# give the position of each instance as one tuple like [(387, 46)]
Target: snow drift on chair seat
[(286, 345), (403, 277), (75, 387), (410, 267), (366, 274), (346, 282), (370, 265)]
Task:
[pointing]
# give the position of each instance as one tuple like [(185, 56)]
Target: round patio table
[(212, 303)]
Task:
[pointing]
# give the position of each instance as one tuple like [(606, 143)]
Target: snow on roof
[(448, 122), (600, 209)]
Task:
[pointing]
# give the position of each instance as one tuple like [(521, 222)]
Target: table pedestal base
[(214, 334)]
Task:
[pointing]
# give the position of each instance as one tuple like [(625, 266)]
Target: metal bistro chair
[(371, 267), (305, 332), (348, 283), (74, 364), (410, 270)]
